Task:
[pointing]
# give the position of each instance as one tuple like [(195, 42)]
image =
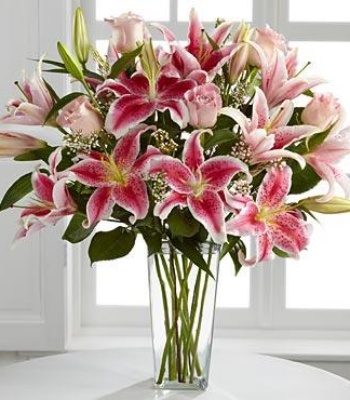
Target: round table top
[(125, 374)]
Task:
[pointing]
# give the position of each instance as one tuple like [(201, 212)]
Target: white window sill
[(298, 349)]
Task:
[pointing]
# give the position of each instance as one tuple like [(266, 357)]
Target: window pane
[(329, 60), (149, 10), (233, 291), (210, 10), (316, 11), (320, 278)]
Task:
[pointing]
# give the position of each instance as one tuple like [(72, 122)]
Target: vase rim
[(205, 247)]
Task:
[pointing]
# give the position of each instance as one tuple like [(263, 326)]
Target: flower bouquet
[(194, 147)]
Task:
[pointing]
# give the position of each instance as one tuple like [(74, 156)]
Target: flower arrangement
[(188, 144)]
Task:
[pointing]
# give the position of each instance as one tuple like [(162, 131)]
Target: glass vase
[(182, 298)]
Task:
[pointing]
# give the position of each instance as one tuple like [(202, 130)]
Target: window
[(309, 294)]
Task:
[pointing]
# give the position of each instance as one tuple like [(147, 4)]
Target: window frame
[(267, 314)]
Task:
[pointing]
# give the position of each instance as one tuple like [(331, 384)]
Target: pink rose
[(204, 103), (128, 32), (322, 111), (81, 117)]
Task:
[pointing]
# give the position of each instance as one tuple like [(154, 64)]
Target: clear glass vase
[(182, 298)]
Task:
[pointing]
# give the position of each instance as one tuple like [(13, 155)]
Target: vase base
[(197, 384)]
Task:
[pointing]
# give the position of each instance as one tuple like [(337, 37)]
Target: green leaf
[(39, 154), (71, 63), (182, 223), (235, 260), (229, 245), (280, 253), (51, 90), (303, 179), (111, 245), (75, 231), (56, 71), (50, 62), (152, 238), (219, 137), (17, 191), (124, 62), (61, 103), (190, 250), (212, 42)]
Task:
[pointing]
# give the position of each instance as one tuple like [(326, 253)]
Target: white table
[(124, 374)]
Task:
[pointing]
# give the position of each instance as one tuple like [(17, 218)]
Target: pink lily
[(324, 160), (271, 220), (34, 109), (13, 144), (117, 178), (137, 100), (197, 184), (52, 199), (278, 85), (267, 133)]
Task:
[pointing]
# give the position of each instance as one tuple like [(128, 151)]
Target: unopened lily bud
[(70, 62), (80, 37), (336, 205), (13, 144)]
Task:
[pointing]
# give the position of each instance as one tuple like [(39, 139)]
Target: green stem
[(200, 318), (165, 307)]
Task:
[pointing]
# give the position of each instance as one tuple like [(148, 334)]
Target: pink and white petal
[(42, 186), (217, 172), (195, 37), (234, 202), (281, 116), (259, 141), (128, 147), (178, 175), (274, 76), (141, 165), (274, 187), (166, 32), (184, 61), (208, 209), (178, 111), (247, 222), (221, 33), (62, 198), (173, 199), (26, 114), (54, 159), (90, 172), (260, 114), (133, 197), (289, 233), (237, 116), (286, 135), (126, 112), (193, 155), (264, 247), (175, 90), (26, 231), (99, 206), (111, 85), (199, 76), (276, 154), (138, 84), (217, 59)]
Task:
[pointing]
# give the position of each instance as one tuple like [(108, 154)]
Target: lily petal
[(132, 197), (286, 135), (90, 172), (141, 165), (275, 187), (99, 206), (193, 155), (126, 112), (128, 147), (173, 199), (260, 114), (209, 210), (246, 222), (43, 186), (218, 172), (177, 174)]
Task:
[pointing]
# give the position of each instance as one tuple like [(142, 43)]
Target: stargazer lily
[(137, 100), (52, 199), (197, 184), (117, 178), (325, 159), (270, 219), (36, 105), (278, 85), (267, 133)]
